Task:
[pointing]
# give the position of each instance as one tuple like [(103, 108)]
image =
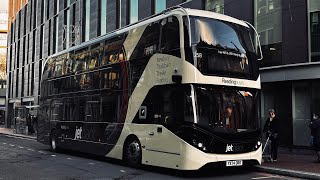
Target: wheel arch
[(128, 138)]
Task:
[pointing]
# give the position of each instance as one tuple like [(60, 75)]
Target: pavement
[(293, 162), (10, 132), (298, 163)]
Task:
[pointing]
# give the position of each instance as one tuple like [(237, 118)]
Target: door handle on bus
[(151, 133)]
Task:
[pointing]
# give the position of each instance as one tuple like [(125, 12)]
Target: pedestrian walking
[(30, 124), (315, 132), (271, 128), (28, 119), (35, 124)]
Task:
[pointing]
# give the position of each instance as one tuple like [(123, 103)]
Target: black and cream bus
[(176, 90)]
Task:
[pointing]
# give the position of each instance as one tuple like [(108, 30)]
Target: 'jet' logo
[(229, 148), (78, 132)]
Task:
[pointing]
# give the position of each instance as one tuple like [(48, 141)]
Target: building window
[(315, 35), (57, 7), (55, 33), (215, 6), (41, 40), (47, 8), (159, 6), (87, 31), (103, 17), (68, 28), (133, 11), (43, 11), (268, 21)]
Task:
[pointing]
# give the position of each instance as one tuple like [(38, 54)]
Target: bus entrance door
[(161, 143)]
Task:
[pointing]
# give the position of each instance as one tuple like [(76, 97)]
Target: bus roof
[(165, 13), (213, 15)]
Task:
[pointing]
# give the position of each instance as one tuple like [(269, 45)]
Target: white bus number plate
[(234, 163)]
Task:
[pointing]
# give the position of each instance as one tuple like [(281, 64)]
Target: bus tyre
[(132, 152), (53, 141)]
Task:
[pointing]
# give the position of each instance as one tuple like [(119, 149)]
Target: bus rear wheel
[(132, 152), (53, 141)]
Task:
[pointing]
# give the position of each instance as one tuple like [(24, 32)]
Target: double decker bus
[(177, 90)]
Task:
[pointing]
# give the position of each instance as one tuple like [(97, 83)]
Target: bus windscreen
[(223, 48)]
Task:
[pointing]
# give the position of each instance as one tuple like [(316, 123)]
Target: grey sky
[(3, 5)]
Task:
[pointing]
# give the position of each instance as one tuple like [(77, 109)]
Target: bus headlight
[(199, 145), (258, 144)]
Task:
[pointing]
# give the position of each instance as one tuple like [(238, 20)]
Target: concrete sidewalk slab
[(297, 163), (288, 172), (10, 132)]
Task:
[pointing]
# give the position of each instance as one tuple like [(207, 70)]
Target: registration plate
[(234, 163)]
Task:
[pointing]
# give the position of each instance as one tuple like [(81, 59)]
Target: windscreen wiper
[(235, 46)]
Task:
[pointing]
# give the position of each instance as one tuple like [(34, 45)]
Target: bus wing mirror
[(259, 50), (177, 78)]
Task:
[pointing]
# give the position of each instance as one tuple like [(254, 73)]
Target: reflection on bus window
[(85, 81), (104, 81), (68, 66), (70, 109), (112, 51), (56, 111), (188, 110), (170, 38), (222, 107), (95, 58), (92, 111), (113, 79), (80, 62), (58, 67)]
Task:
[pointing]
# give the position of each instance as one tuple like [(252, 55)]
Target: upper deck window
[(224, 48)]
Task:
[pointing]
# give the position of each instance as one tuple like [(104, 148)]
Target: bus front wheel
[(53, 141), (132, 152)]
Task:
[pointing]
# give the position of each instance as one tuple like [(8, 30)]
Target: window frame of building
[(268, 23), (214, 6), (133, 11), (159, 6), (103, 15), (314, 35)]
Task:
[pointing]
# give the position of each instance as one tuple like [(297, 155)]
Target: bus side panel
[(162, 148), (168, 64), (138, 130)]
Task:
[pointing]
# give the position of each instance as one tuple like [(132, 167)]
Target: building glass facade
[(314, 14), (160, 5), (104, 17), (133, 11), (268, 21), (3, 52), (215, 6)]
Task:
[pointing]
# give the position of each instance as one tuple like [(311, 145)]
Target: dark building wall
[(275, 95), (243, 10), (112, 23), (294, 32), (95, 10), (144, 9), (171, 3), (195, 4), (124, 13)]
